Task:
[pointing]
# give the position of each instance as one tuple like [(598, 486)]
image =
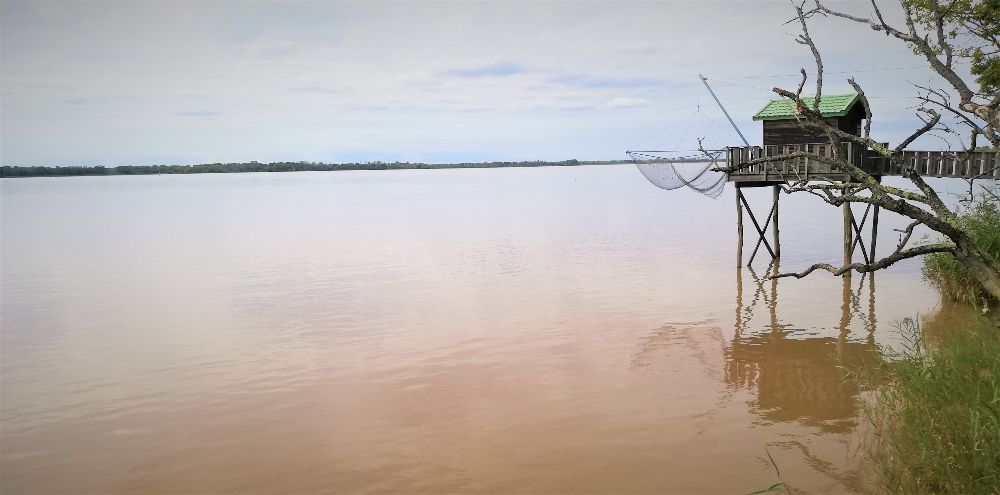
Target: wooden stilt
[(874, 234), (848, 234), (761, 232), (859, 240), (777, 236), (739, 225)]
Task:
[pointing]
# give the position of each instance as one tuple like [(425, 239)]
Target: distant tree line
[(228, 168)]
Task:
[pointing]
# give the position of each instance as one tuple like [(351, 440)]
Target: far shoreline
[(13, 172)]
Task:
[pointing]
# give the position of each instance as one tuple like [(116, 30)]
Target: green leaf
[(772, 488)]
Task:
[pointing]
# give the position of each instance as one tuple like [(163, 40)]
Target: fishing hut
[(782, 134), (708, 171)]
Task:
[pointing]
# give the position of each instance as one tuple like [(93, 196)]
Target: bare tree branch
[(805, 39), (878, 265), (864, 101), (973, 180), (989, 113), (907, 232), (939, 16), (928, 125)]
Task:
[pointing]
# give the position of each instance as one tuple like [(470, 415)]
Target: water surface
[(545, 330)]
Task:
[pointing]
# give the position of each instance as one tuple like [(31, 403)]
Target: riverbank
[(935, 419), (935, 410), (245, 167)]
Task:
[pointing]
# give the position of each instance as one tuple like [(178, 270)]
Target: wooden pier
[(975, 164)]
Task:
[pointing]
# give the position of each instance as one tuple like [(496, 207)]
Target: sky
[(176, 82)]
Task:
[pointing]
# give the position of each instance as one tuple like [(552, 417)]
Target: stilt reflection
[(798, 376)]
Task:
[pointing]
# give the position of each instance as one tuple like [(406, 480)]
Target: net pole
[(704, 81)]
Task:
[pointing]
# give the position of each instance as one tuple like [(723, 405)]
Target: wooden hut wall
[(789, 132)]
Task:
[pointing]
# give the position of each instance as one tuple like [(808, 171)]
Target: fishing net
[(677, 169)]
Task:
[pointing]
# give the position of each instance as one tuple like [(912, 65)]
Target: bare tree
[(975, 24), (977, 110)]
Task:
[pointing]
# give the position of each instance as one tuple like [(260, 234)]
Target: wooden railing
[(984, 164), (805, 167)]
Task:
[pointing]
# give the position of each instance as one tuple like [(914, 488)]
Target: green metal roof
[(829, 106)]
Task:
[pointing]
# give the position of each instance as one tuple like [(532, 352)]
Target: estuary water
[(543, 330)]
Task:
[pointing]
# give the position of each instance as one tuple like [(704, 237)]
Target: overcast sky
[(195, 82)]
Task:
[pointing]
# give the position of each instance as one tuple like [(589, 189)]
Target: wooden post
[(874, 233), (739, 225), (848, 235), (777, 238)]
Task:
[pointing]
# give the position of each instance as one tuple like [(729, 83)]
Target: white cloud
[(625, 102)]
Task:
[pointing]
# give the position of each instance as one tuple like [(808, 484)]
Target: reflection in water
[(793, 380), (950, 319), (801, 378), (798, 377)]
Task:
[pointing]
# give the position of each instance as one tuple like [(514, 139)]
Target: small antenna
[(716, 98)]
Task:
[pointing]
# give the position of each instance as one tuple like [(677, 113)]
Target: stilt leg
[(874, 233), (739, 225), (848, 234), (777, 236)]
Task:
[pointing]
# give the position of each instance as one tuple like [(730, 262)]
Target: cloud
[(624, 102), (574, 106), (495, 70), (587, 81), (313, 89), (203, 114), (269, 50)]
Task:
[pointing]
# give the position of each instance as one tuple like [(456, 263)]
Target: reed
[(950, 277), (936, 415)]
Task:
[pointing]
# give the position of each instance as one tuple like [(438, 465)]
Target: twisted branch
[(878, 265)]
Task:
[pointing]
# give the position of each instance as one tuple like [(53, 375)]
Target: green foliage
[(936, 416), (985, 59), (228, 168), (972, 27), (948, 275)]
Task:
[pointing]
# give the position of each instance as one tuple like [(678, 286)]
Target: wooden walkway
[(978, 164)]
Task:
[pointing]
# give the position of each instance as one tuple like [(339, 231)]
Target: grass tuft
[(936, 415), (950, 277)]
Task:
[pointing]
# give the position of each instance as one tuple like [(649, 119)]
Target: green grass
[(950, 277), (775, 487), (936, 415)]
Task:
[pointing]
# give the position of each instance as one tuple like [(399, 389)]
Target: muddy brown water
[(549, 330)]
